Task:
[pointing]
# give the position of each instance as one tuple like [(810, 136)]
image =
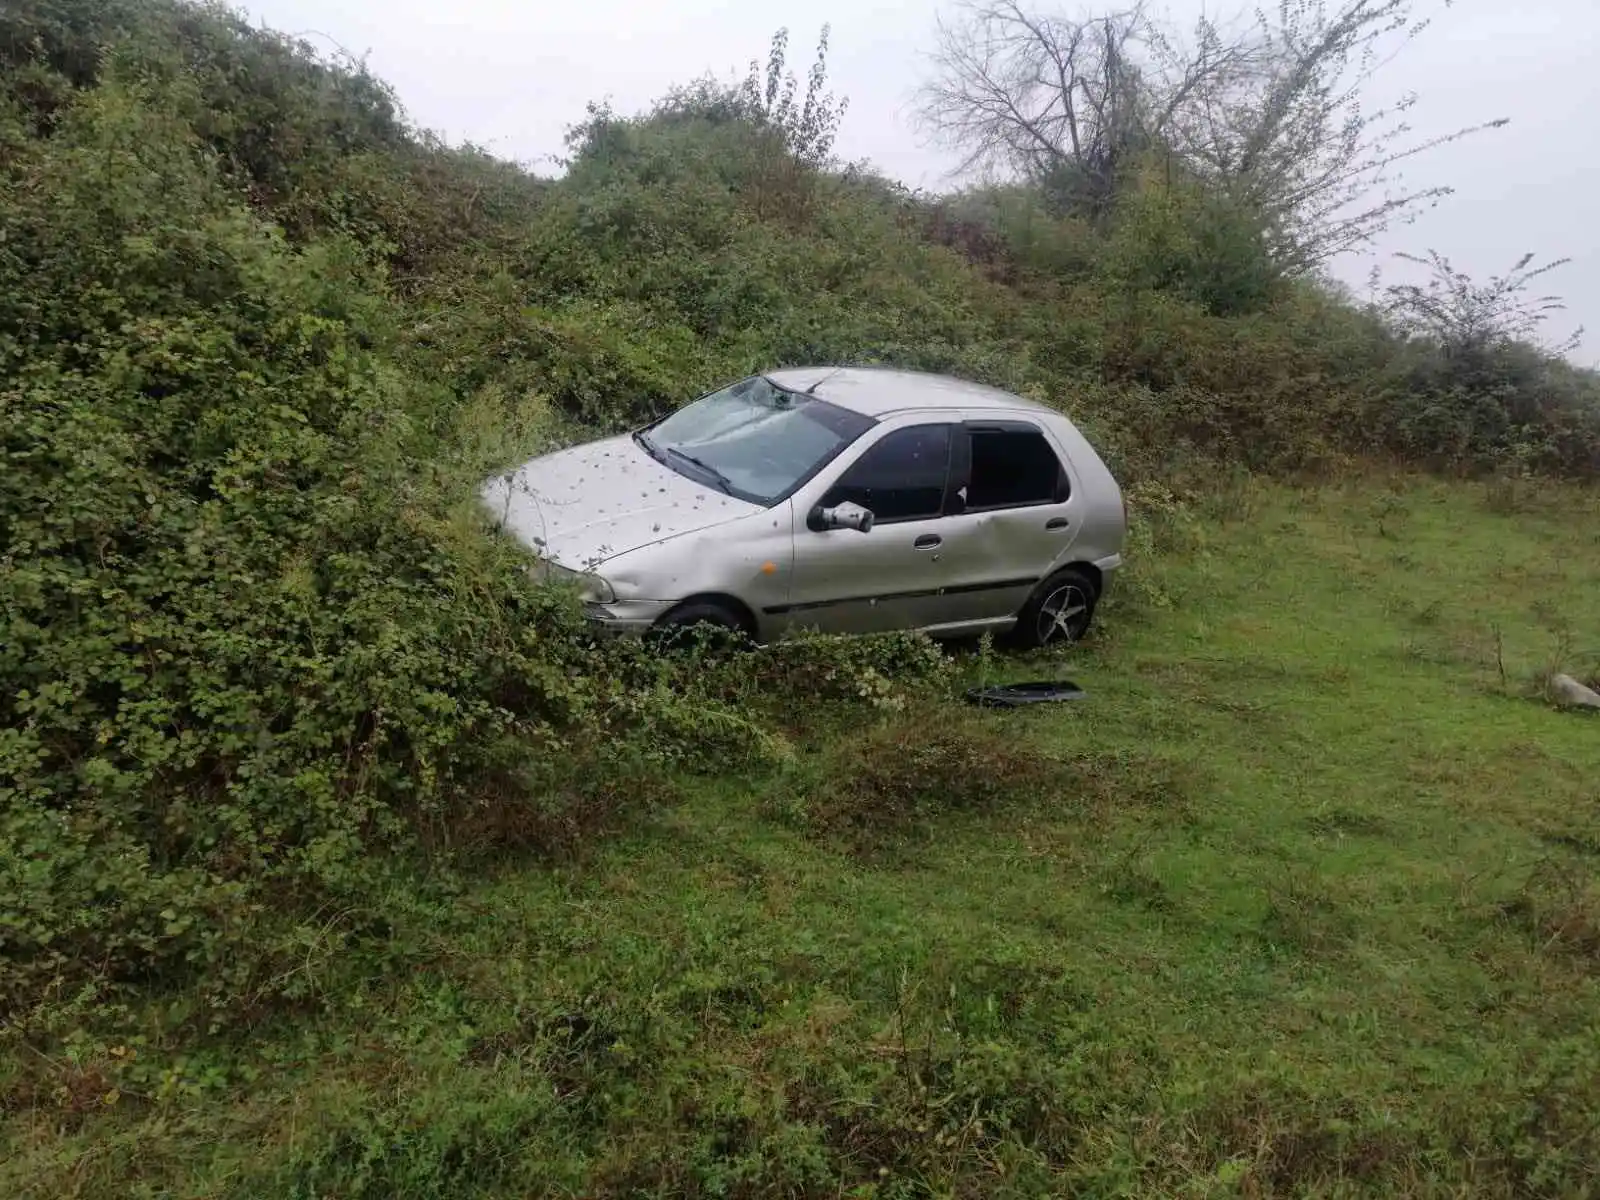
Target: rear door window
[(1013, 466)]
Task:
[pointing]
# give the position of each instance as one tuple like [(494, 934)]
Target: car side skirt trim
[(777, 610)]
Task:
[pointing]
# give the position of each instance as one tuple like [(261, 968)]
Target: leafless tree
[(1041, 96), (1267, 109)]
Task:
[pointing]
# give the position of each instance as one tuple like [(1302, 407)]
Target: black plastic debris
[(1015, 695)]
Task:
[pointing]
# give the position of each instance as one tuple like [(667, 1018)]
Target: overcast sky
[(511, 75)]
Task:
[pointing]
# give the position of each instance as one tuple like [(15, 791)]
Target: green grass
[(1306, 905)]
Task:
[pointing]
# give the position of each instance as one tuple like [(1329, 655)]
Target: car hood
[(582, 506)]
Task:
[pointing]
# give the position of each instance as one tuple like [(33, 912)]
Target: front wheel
[(701, 622), (1059, 611)]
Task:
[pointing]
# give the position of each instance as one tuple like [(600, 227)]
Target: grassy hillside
[(1304, 905), (336, 859)]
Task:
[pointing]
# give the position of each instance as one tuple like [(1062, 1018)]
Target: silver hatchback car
[(846, 500)]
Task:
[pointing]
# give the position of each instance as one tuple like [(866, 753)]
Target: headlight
[(591, 588), (594, 590)]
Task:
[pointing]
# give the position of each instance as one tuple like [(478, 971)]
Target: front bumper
[(623, 617)]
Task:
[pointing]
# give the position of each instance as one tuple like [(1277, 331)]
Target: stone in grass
[(1569, 693)]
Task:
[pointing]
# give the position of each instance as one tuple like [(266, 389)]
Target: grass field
[(1301, 900)]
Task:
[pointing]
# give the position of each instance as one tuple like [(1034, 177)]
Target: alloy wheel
[(1064, 615)]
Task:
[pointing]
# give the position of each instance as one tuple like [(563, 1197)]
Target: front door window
[(900, 478)]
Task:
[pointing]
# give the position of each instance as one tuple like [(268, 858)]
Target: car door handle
[(1057, 523), (928, 541)]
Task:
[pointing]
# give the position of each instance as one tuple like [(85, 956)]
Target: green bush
[(1505, 407), (243, 645)]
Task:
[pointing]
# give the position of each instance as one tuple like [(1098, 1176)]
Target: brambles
[(243, 649)]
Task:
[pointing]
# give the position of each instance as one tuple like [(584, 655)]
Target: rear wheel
[(1059, 611), (702, 622)]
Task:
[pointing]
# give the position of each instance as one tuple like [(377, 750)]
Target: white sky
[(511, 75)]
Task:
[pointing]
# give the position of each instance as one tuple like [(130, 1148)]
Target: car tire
[(702, 622), (1059, 612)]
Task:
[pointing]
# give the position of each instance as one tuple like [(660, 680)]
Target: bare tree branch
[(1466, 318), (1036, 95), (1267, 110)]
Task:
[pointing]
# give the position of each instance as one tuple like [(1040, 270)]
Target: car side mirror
[(841, 516)]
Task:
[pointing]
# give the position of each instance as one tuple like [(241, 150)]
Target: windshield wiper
[(722, 482), (646, 443)]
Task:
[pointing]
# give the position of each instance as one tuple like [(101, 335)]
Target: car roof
[(880, 391)]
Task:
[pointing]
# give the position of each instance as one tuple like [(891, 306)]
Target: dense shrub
[(244, 643), (1505, 407)]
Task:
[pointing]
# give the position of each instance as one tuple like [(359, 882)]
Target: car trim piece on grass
[(1015, 695), (777, 610)]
